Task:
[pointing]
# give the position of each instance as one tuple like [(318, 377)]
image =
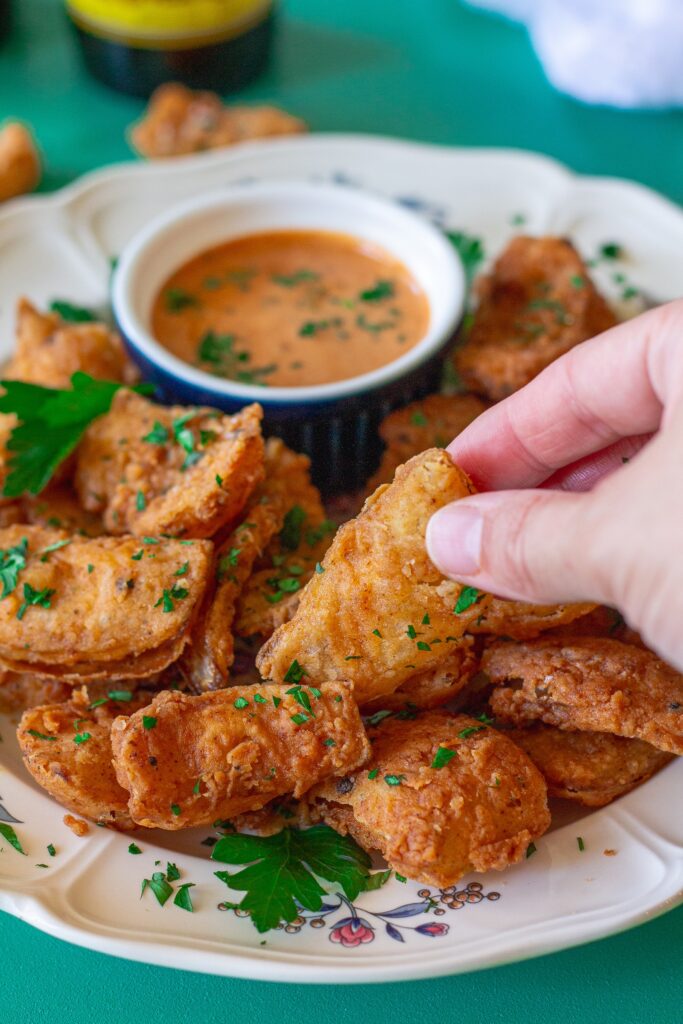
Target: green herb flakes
[(295, 673), (240, 703), (134, 849), (442, 757), (467, 597), (149, 722), (36, 598), (8, 833)]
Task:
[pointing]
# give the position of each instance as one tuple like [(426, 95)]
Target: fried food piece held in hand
[(590, 768), (443, 795), (209, 656), (19, 161), (588, 684), (434, 687), (67, 749), (221, 754), (49, 350), (431, 422), (380, 612), (151, 469), (520, 621), (536, 304), (179, 121), (81, 609)]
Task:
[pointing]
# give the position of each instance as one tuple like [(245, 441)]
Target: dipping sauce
[(291, 309)]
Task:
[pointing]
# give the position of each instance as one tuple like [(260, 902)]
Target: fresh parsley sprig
[(51, 423), (283, 871)]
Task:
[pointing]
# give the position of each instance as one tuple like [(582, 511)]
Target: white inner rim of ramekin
[(188, 229)]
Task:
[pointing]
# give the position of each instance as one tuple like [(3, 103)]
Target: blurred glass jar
[(136, 45)]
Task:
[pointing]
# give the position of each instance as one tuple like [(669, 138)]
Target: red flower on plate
[(352, 931), (433, 928)]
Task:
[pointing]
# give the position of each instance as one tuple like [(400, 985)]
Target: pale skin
[(582, 471)]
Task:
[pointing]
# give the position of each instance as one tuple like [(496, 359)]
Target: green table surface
[(424, 69)]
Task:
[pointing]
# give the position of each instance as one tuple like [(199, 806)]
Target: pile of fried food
[(426, 719)]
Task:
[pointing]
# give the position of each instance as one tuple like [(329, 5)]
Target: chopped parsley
[(373, 773), (12, 561), (376, 632), (611, 251), (140, 501), (8, 833), (35, 598), (381, 290), (149, 722), (157, 435), (290, 280), (120, 696), (467, 597), (70, 313), (290, 534), (394, 780), (295, 673), (300, 717), (170, 596), (175, 810), (312, 327), (177, 299), (159, 886), (442, 757), (240, 703), (134, 849), (530, 850), (470, 731), (182, 897), (580, 843), (470, 250), (53, 547), (41, 735), (82, 737)]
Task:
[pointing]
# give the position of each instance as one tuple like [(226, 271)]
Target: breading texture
[(179, 121), (225, 753), (380, 612), (152, 469), (99, 608), (208, 658), (435, 686), (57, 506), (22, 690), (521, 621), (477, 812), (431, 422), (590, 768), (48, 350), (588, 684), (19, 161), (271, 595), (74, 762), (535, 305)]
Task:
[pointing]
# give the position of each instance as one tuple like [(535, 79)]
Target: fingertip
[(453, 539)]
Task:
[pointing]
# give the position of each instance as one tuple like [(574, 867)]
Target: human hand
[(582, 471)]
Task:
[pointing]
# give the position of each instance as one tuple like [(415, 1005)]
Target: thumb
[(535, 546)]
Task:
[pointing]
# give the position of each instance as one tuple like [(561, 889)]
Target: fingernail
[(454, 540)]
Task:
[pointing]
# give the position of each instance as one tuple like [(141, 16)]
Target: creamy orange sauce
[(290, 308)]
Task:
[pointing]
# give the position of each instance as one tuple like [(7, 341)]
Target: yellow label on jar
[(167, 18)]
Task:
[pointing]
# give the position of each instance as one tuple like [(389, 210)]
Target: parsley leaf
[(32, 596), (182, 897), (381, 290), (72, 314), (442, 757), (8, 833), (283, 870), (467, 597), (51, 423), (12, 561), (159, 886), (290, 534)]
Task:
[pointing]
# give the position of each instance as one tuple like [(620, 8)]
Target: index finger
[(611, 387)]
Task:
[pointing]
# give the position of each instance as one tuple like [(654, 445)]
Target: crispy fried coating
[(48, 350), (478, 811), (271, 595), (221, 754), (380, 612), (19, 161), (431, 422), (21, 690), (179, 121), (536, 304), (435, 686), (152, 469), (520, 621), (57, 506), (588, 684), (590, 768), (209, 656), (601, 621), (98, 608), (67, 749)]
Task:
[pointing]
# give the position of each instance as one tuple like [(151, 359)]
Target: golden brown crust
[(431, 422), (436, 686), (48, 351), (141, 487), (19, 161), (21, 691), (536, 304), (590, 768), (74, 762), (57, 507), (521, 621), (480, 811), (106, 616), (206, 758), (209, 656), (377, 579), (588, 684), (179, 121)]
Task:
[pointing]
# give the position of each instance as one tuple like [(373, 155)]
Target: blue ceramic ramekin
[(335, 424)]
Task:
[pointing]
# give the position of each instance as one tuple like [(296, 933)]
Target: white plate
[(60, 246)]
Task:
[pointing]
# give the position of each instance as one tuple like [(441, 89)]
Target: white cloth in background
[(624, 53)]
